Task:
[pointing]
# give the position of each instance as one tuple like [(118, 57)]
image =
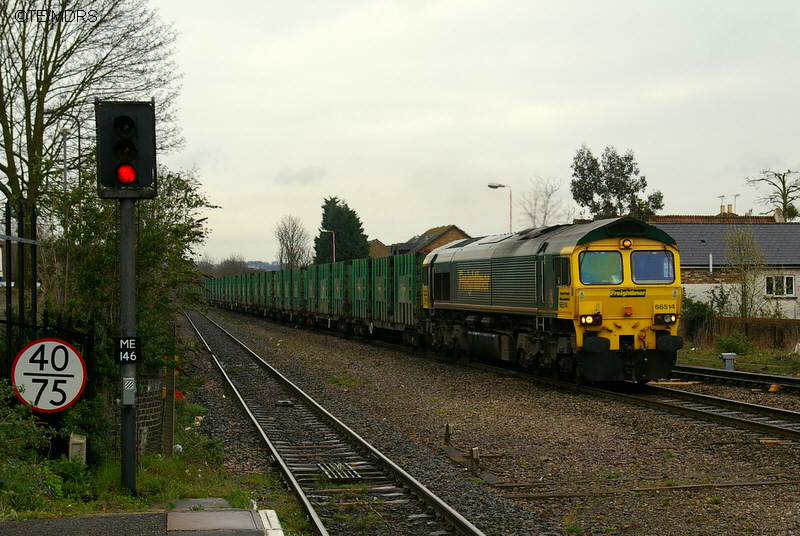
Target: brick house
[(430, 240), (704, 262), (377, 249)]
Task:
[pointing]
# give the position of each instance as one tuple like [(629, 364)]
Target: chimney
[(730, 208), (722, 209)]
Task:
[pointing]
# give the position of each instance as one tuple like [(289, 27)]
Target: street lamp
[(495, 186), (333, 236), (64, 133)]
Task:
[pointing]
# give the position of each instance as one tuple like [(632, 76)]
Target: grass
[(767, 360), (346, 380)]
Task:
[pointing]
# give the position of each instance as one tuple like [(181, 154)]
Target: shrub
[(20, 432), (695, 316), (735, 343)]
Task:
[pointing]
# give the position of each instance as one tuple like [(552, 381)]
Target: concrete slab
[(214, 520), (199, 504), (272, 526), (222, 522)]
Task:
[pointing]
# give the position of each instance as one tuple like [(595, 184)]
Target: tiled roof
[(418, 243), (779, 242), (718, 219)]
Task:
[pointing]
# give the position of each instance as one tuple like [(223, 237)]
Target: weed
[(346, 381)]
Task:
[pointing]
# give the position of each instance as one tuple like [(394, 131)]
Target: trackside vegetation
[(34, 485)]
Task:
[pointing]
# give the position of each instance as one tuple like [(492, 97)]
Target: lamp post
[(495, 186), (64, 134), (333, 236)]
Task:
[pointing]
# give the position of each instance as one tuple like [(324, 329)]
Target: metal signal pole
[(127, 271)]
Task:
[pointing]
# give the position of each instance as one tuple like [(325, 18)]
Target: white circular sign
[(49, 375)]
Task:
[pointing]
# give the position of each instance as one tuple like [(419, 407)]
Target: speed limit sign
[(49, 375)]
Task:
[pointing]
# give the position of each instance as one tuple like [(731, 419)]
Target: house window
[(780, 285)]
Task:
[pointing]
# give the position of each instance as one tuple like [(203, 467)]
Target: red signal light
[(126, 174)]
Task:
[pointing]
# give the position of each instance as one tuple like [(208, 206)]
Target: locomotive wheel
[(578, 378)]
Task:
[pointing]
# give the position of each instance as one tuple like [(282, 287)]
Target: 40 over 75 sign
[(49, 375)]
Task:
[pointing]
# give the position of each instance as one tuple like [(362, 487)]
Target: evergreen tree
[(351, 242)]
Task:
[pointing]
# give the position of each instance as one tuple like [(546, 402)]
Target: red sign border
[(14, 369)]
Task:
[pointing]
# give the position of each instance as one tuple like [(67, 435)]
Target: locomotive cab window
[(600, 267), (652, 267), (561, 269)]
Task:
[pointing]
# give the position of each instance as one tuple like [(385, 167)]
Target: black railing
[(23, 324)]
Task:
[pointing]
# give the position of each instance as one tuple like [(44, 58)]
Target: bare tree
[(542, 206), (783, 191), (233, 265), (748, 272), (56, 57), (293, 241)]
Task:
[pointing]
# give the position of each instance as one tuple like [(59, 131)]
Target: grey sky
[(407, 110)]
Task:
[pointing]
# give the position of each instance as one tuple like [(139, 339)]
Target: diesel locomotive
[(597, 301)]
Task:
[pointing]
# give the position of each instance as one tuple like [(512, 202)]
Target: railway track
[(736, 375), (343, 482), (773, 424)]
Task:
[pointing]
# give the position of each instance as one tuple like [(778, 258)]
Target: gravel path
[(599, 461)]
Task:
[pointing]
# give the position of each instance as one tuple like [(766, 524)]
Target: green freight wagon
[(407, 287), (340, 301), (283, 288), (297, 302), (381, 293), (324, 286), (311, 291), (359, 293)]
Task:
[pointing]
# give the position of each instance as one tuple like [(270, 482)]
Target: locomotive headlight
[(591, 320), (625, 243)]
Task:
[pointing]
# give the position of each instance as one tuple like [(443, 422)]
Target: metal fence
[(763, 332)]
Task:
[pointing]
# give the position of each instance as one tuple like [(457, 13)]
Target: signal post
[(126, 170)]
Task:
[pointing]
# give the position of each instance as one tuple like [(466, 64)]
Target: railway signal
[(126, 149), (126, 170)]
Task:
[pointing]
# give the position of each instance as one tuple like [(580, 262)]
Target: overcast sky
[(408, 109)]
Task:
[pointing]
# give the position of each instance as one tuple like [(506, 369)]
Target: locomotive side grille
[(514, 282)]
